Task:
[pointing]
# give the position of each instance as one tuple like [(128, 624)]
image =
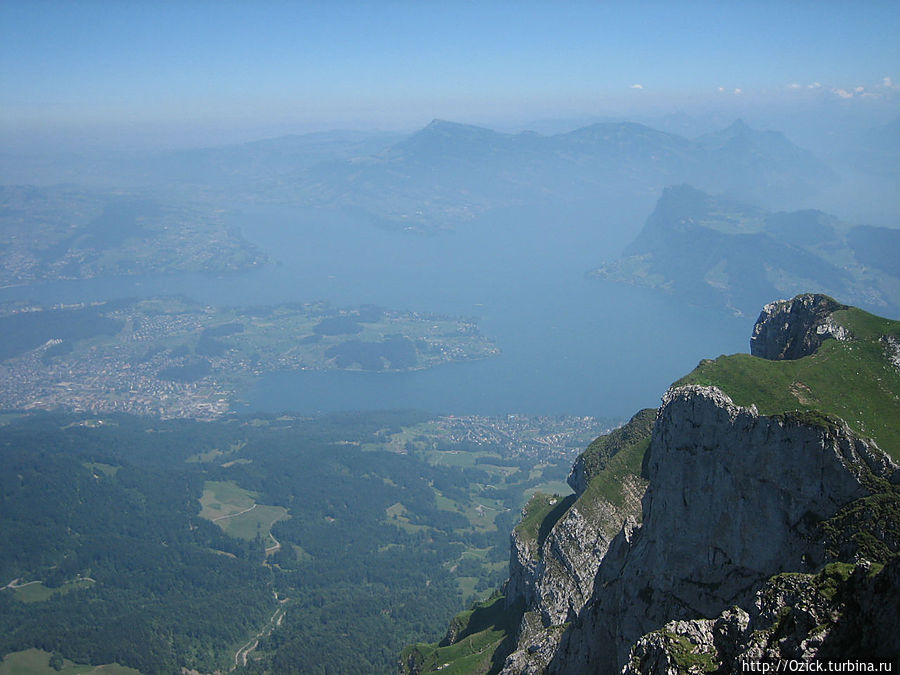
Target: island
[(175, 357)]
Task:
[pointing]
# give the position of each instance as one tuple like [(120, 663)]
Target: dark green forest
[(106, 556)]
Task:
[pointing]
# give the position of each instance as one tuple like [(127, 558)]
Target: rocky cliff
[(552, 573), (734, 498), (755, 515), (845, 612), (792, 329)]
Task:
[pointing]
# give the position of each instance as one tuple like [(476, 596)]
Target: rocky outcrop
[(734, 498), (892, 349), (556, 579), (845, 612), (792, 329)]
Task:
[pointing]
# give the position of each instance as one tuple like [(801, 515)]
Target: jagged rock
[(535, 647), (844, 612), (691, 557), (523, 564), (892, 348), (680, 647), (556, 580), (695, 646), (792, 329)]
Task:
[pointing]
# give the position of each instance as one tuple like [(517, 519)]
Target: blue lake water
[(571, 344)]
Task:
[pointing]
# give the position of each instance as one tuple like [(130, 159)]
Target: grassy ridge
[(852, 379), (478, 645), (540, 514), (598, 453), (607, 485)]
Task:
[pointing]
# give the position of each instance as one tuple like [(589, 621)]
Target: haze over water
[(570, 344)]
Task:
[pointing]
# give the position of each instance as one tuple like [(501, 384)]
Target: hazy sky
[(399, 64)]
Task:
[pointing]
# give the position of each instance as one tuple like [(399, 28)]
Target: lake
[(570, 344)]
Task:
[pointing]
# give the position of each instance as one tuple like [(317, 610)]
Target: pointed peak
[(441, 127)]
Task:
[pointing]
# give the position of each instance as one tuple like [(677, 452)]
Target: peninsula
[(175, 357)]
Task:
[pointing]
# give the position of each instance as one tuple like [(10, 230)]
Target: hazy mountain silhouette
[(714, 251), (448, 172)]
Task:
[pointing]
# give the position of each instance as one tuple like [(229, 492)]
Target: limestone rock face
[(734, 498), (555, 581), (523, 575), (554, 578), (844, 612), (792, 329), (571, 555), (578, 477)]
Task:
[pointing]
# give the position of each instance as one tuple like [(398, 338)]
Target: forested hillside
[(260, 542)]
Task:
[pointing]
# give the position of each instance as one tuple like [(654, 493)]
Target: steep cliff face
[(552, 574), (734, 498), (792, 329)]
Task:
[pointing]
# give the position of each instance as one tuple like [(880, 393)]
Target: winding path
[(272, 549), (234, 515), (242, 654)]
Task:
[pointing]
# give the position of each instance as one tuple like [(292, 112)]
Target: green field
[(235, 510), (398, 515), (37, 662), (38, 592), (99, 468)]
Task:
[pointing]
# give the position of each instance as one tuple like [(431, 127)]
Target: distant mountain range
[(720, 252), (449, 172)]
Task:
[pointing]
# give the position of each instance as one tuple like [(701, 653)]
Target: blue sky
[(320, 65)]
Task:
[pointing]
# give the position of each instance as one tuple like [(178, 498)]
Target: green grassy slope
[(480, 641), (853, 380), (598, 453)]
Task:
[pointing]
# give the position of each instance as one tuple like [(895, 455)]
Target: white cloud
[(859, 90), (637, 86), (738, 91), (721, 89), (889, 83), (794, 85), (843, 93), (814, 85)]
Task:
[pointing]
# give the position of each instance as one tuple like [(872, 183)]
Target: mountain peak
[(438, 125), (739, 126)]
